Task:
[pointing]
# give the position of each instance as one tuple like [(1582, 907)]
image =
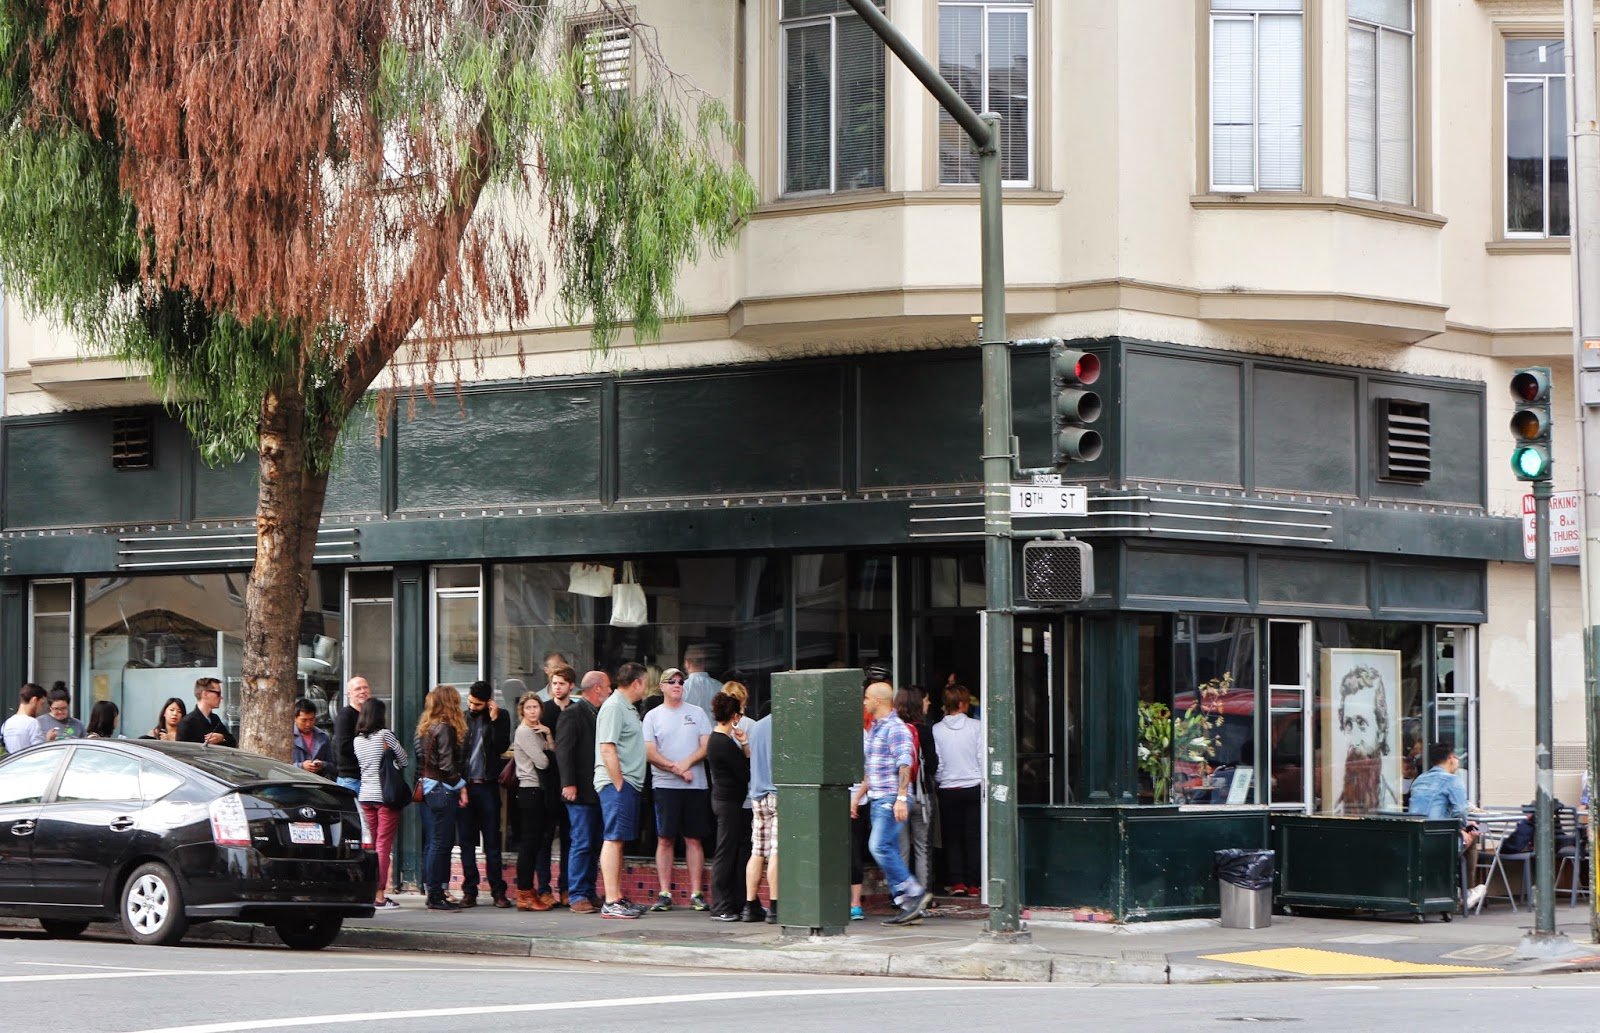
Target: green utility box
[(816, 756)]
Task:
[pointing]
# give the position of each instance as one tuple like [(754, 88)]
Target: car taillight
[(366, 832), (229, 826)]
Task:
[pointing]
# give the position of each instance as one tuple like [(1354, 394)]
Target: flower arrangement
[(1192, 738)]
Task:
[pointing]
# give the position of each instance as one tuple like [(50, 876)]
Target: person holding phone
[(313, 750)]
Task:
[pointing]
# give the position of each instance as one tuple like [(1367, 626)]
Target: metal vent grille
[(609, 49), (1057, 572), (1405, 439), (131, 442)]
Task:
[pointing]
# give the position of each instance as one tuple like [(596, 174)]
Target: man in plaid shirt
[(888, 752)]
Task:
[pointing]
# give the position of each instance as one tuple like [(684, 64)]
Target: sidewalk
[(950, 945)]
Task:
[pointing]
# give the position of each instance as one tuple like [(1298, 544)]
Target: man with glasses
[(58, 722), (202, 723), (676, 735)]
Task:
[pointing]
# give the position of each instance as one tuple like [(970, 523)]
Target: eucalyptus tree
[(263, 204)]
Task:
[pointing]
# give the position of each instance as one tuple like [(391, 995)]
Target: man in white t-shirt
[(21, 729), (675, 738)]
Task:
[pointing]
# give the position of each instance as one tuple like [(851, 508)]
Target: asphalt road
[(48, 986)]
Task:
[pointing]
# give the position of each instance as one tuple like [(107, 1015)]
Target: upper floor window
[(1258, 111), (986, 51), (1381, 60), (833, 98), (1536, 138)]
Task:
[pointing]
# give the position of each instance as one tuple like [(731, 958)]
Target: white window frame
[(1549, 82), (1378, 30), (1307, 719), (1011, 6), (1464, 690), (435, 594), (832, 21), (347, 645), (1254, 18), (71, 614)]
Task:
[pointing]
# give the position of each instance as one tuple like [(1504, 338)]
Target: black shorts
[(683, 813)]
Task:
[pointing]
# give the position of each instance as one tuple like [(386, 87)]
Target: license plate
[(306, 833)]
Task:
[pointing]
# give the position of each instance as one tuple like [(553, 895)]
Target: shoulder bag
[(397, 792)]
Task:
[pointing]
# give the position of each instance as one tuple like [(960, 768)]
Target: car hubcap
[(148, 904)]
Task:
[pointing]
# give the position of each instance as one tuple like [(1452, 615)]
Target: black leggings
[(860, 832), (530, 812), (960, 815), (733, 853)]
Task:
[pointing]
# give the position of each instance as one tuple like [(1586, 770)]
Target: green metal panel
[(59, 473), (1175, 576), (1433, 588), (1182, 417), (501, 447), (410, 686), (1110, 712), (1071, 857), (225, 491), (921, 420), (356, 484), (813, 846), (731, 433), (1457, 418), (1304, 431), (816, 727), (1317, 581), (13, 641), (1388, 863)]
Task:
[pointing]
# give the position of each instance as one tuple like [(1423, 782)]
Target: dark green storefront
[(835, 497)]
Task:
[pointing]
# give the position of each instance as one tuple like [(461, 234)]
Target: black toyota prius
[(159, 835)]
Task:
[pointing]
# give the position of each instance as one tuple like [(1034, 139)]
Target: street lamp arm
[(976, 128)]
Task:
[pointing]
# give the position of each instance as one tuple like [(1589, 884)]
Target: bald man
[(888, 749), (356, 692), (575, 761)]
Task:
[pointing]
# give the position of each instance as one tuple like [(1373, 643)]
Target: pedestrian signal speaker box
[(1057, 572)]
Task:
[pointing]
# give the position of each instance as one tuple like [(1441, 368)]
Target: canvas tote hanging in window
[(628, 607), (591, 579)]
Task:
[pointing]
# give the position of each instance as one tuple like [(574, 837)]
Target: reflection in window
[(50, 655), (26, 778), (1213, 709), (99, 775), (843, 615), (1536, 138), (985, 51), (456, 636)]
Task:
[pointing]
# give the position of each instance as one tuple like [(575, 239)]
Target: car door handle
[(22, 828), (121, 824)]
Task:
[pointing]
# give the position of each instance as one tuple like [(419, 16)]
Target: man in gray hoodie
[(960, 743)]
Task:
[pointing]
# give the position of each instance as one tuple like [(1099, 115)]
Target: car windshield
[(235, 767)]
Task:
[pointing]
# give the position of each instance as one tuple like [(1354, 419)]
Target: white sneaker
[(1475, 896)]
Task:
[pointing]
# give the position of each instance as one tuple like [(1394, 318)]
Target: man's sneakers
[(857, 914), (1475, 896), (697, 901), (439, 902), (728, 916), (663, 902), (754, 912), (582, 906), (911, 910), (621, 909)]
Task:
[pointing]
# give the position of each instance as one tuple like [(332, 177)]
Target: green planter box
[(1390, 863)]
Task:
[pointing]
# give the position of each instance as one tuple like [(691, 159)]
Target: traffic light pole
[(999, 717), (1544, 850)]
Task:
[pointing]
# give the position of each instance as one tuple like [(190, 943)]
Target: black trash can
[(1244, 878)]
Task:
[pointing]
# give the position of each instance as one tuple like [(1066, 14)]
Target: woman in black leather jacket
[(440, 734)]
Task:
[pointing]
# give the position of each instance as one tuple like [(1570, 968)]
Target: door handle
[(22, 828), (121, 824)]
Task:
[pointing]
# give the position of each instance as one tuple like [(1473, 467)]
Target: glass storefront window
[(370, 643), (1455, 697), (457, 626), (1288, 689), (1214, 710), (50, 658), (1369, 738), (844, 613)]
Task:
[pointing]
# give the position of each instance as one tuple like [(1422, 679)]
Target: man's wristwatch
[(901, 798)]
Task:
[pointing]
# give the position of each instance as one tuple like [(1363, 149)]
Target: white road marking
[(208, 973), (743, 996), (65, 964)]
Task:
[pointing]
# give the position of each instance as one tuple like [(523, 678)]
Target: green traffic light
[(1530, 464)]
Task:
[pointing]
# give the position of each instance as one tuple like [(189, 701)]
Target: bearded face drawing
[(1363, 743)]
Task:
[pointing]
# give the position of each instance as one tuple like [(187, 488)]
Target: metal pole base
[(1547, 945), (1006, 936)]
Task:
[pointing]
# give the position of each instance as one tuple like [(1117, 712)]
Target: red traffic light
[(1531, 385), (1087, 368)]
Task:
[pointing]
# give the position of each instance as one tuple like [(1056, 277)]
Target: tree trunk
[(288, 511)]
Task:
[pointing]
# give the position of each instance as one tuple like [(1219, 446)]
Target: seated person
[(1437, 793)]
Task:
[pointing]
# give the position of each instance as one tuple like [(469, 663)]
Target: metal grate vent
[(1405, 441), (1057, 572), (131, 442), (609, 49)]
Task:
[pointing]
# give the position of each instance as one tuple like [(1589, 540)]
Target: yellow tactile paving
[(1307, 961)]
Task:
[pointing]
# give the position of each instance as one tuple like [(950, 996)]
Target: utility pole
[(1584, 216), (999, 717)]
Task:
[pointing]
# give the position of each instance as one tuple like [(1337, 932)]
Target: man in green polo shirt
[(619, 766)]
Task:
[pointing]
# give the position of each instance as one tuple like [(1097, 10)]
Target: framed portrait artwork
[(1360, 730)]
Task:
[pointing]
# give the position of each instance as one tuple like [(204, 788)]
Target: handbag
[(591, 579), (508, 775), (397, 792), (629, 608)]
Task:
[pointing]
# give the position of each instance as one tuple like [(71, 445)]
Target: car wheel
[(310, 934), (62, 929), (152, 906)]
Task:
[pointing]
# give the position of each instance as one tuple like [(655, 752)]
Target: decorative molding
[(1318, 203), (867, 200), (1545, 246)]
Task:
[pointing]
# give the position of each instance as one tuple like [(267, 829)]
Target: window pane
[(1363, 98), (1256, 5), (1233, 158), (52, 650), (456, 577), (1396, 14), (25, 779), (960, 62), (1008, 90), (98, 775), (1213, 707), (1558, 158), (52, 597), (1394, 111), (807, 101), (1525, 157), (154, 782), (1282, 102), (456, 621), (811, 8), (1535, 56), (860, 106), (372, 649)]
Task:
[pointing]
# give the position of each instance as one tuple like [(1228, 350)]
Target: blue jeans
[(438, 828), (352, 784), (580, 874), (885, 848), (481, 816)]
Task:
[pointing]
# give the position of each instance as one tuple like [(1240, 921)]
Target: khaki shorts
[(764, 825)]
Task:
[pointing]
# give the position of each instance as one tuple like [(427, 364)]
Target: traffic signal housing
[(1076, 406), (1530, 423)]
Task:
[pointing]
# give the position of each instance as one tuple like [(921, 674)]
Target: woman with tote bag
[(376, 747)]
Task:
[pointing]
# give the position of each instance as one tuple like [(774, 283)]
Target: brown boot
[(536, 902), (525, 900)]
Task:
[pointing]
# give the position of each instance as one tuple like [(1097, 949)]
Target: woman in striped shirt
[(372, 739)]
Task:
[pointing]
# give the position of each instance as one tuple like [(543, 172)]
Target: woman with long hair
[(917, 834), (103, 720), (730, 783), (532, 746), (441, 731), (172, 714), (372, 741)]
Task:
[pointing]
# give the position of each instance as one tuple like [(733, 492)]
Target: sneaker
[(663, 902), (772, 914), (619, 909), (909, 914), (582, 906), (387, 904), (1475, 896), (728, 916), (958, 890), (697, 901), (754, 912), (857, 914), (443, 904)]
